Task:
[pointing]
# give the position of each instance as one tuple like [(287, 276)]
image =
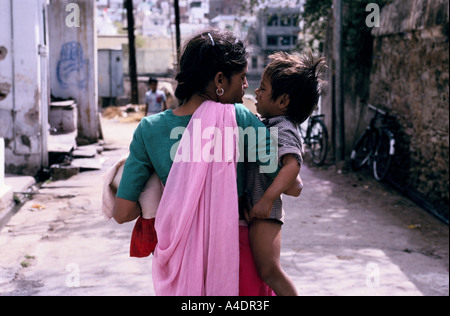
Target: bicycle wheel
[(383, 154), (318, 144), (363, 150)]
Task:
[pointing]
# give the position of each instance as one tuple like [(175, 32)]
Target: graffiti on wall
[(72, 68)]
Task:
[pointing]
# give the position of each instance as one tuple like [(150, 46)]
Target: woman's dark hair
[(206, 54)]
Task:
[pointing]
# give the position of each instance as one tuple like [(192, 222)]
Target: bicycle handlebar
[(376, 109)]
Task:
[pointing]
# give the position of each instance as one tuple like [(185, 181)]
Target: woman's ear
[(219, 79)]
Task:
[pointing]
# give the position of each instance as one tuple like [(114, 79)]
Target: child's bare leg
[(265, 239)]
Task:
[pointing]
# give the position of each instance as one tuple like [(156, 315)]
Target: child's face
[(265, 105), (153, 86)]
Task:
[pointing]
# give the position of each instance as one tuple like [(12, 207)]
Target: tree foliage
[(314, 17), (357, 38)]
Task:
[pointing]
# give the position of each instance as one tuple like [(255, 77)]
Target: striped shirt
[(289, 142)]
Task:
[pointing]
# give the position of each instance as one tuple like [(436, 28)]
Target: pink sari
[(197, 220)]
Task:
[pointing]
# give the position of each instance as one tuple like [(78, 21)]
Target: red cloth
[(250, 283), (143, 238)]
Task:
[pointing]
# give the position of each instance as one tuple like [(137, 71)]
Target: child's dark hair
[(152, 80), (206, 54), (300, 77)]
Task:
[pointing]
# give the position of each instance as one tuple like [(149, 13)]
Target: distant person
[(155, 100)]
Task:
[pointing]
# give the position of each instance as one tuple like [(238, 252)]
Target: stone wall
[(410, 76)]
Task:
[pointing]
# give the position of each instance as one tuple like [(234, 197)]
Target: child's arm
[(282, 182), (296, 187)]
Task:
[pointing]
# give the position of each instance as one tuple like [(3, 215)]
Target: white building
[(198, 11), (24, 78), (276, 29), (46, 46)]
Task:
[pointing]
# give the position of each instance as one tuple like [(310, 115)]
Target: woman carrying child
[(201, 249)]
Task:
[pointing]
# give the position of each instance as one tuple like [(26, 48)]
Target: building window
[(272, 40), (254, 62), (285, 20), (295, 20), (272, 20), (286, 40)]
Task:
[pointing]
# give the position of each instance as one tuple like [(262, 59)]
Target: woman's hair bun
[(203, 56)]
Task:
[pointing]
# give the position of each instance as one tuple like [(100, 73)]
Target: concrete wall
[(154, 56), (410, 75), (6, 193), (73, 60), (23, 79), (2, 163)]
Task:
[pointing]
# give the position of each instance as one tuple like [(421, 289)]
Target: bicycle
[(376, 146), (316, 138)]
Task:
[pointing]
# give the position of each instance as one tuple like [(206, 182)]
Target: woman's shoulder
[(242, 109), (156, 119), (148, 124), (162, 122), (245, 117)]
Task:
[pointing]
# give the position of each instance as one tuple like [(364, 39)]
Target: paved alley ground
[(345, 235)]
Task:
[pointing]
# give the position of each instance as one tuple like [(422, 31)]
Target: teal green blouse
[(151, 145)]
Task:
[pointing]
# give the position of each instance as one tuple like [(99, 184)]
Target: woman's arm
[(136, 172), (125, 211)]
